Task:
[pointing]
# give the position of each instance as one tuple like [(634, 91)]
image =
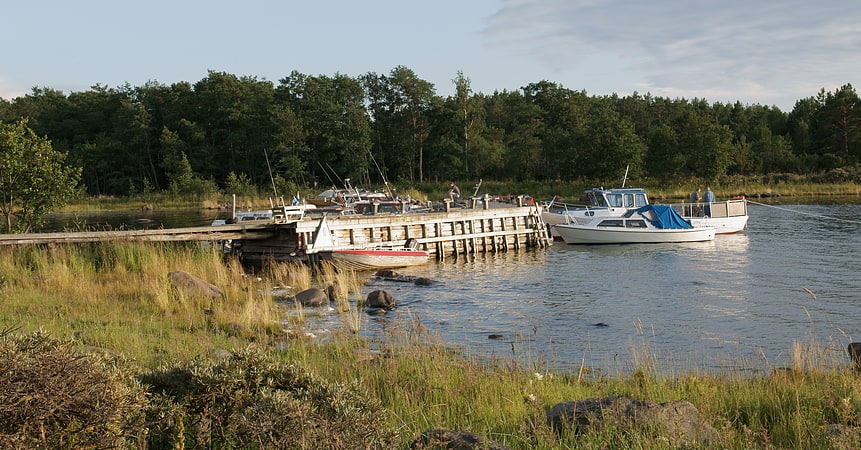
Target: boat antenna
[(625, 178)]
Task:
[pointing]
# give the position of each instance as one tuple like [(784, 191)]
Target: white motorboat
[(725, 217), (597, 203), (646, 225)]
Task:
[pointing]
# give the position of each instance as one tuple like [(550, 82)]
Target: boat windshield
[(594, 199)]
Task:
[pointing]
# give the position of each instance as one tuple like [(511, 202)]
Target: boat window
[(635, 223), (612, 223), (640, 200), (615, 200), (629, 200)]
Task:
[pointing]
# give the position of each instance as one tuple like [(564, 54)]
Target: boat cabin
[(615, 198)]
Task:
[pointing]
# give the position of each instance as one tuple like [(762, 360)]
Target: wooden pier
[(443, 234)]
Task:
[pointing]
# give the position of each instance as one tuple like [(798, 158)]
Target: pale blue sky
[(769, 52)]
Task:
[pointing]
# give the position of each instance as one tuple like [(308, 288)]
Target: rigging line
[(804, 213), (327, 174), (271, 178)]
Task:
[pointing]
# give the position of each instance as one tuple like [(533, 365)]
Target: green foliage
[(33, 177), (318, 130)]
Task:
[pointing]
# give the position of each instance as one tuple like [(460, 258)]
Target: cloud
[(730, 49), (10, 91)]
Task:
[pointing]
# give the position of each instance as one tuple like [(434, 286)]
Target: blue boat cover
[(667, 217)]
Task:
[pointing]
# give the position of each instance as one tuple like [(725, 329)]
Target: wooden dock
[(443, 234), (220, 233)]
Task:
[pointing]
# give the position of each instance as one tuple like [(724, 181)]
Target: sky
[(766, 52)]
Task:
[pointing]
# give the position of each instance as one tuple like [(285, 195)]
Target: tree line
[(226, 131)]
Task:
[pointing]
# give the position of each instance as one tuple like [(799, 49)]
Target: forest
[(227, 131)]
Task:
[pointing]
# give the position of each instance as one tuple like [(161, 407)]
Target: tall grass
[(118, 297)]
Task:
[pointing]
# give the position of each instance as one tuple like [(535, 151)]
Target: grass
[(117, 296)]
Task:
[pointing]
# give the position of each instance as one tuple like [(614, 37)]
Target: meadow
[(177, 369)]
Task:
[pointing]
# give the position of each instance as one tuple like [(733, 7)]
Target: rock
[(451, 439), (332, 293), (424, 281), (312, 297), (380, 299), (191, 285), (679, 420), (854, 350), (387, 273)]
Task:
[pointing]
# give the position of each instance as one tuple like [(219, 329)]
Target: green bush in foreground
[(251, 400)]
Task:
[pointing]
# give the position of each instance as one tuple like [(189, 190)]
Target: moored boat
[(725, 217), (375, 258), (645, 225)]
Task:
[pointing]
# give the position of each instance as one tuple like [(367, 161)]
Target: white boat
[(598, 203), (725, 217), (371, 256), (646, 225), (375, 258)]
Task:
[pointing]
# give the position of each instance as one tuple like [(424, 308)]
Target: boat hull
[(722, 225), (374, 259), (584, 234)]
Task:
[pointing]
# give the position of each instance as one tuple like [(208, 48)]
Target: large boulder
[(679, 420), (193, 286), (460, 440), (312, 297), (381, 299)]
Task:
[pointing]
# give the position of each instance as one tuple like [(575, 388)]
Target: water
[(742, 300)]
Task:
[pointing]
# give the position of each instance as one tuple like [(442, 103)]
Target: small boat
[(375, 258), (372, 256), (646, 225)]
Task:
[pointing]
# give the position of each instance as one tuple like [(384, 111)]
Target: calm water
[(792, 276), (741, 300)]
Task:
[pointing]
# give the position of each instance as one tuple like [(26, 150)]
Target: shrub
[(53, 396), (250, 400)]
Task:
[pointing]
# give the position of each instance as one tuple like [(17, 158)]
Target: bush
[(252, 401), (52, 396)]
